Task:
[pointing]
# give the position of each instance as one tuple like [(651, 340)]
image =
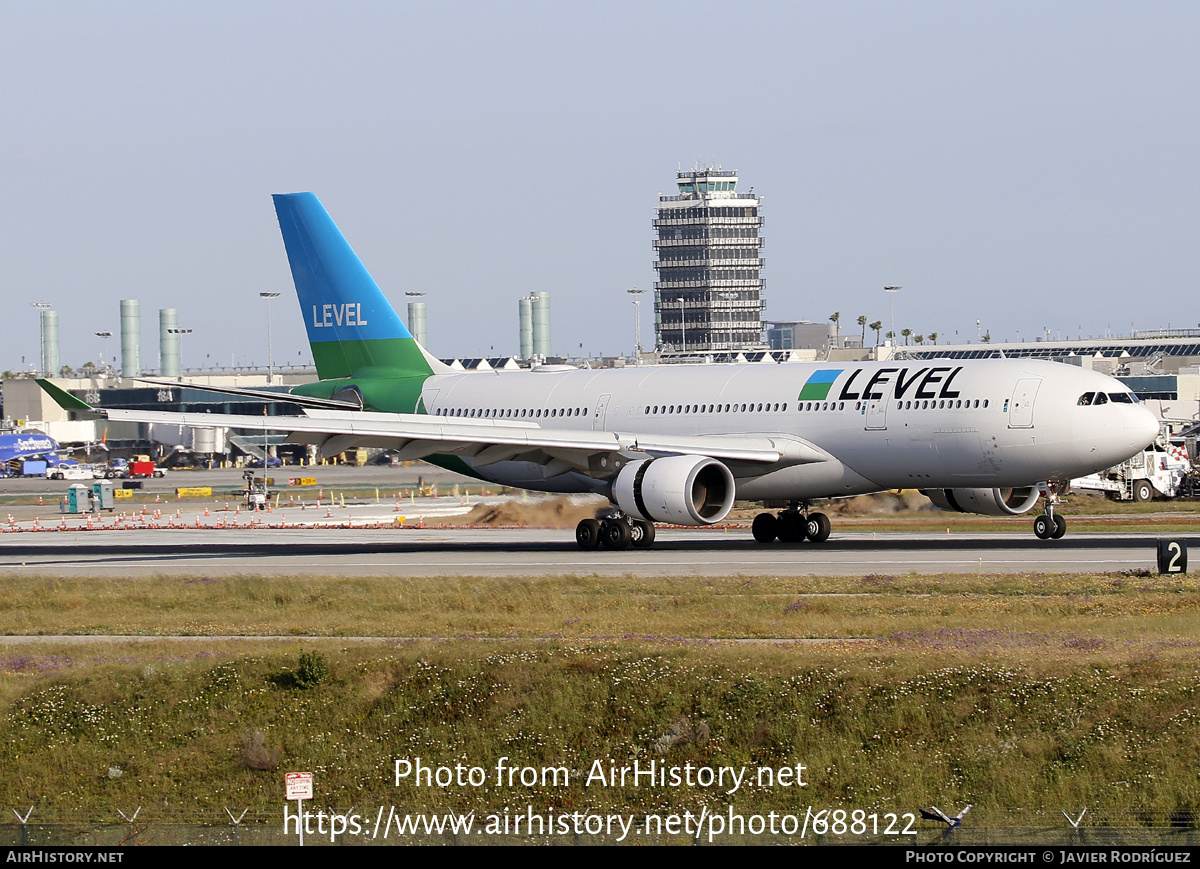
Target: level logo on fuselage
[(930, 382)]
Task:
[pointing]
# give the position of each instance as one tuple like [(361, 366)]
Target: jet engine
[(681, 490), (989, 502)]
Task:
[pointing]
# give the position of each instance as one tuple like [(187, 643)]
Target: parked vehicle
[(34, 468), (73, 472), (120, 469), (1159, 471)]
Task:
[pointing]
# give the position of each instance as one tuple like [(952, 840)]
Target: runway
[(545, 552)]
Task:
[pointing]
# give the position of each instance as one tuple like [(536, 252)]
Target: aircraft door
[(1020, 406), (601, 410), (875, 411)]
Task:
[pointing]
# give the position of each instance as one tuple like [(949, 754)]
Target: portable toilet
[(77, 498), (102, 496)]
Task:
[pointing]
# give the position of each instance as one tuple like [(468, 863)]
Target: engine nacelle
[(988, 502), (681, 490)]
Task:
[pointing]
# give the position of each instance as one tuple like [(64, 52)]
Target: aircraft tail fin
[(350, 322)]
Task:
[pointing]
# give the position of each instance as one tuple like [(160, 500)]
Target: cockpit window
[(1086, 399), (1121, 397), (1101, 398)]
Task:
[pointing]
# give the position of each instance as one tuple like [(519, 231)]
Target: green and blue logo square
[(818, 385)]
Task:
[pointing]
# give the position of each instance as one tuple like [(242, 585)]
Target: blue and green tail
[(353, 329)]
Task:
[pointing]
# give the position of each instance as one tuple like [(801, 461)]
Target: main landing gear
[(1049, 526), (616, 531), (793, 525)]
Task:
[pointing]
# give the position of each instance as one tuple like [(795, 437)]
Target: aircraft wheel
[(819, 527), (615, 534), (1060, 528), (643, 534), (765, 528), (587, 534), (1143, 491), (791, 527), (1043, 527)]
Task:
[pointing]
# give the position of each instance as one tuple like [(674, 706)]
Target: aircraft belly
[(530, 475), (829, 479)]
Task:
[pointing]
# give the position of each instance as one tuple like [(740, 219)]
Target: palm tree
[(920, 339), (933, 338), (876, 327), (891, 336), (987, 337), (906, 333), (862, 321)]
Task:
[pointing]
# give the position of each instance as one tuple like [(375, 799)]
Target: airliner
[(27, 445), (679, 444)]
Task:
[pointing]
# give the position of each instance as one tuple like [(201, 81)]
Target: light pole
[(180, 333), (268, 295), (637, 324), (105, 334), (891, 291)]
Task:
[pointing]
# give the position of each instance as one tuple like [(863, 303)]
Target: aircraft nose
[(1141, 427)]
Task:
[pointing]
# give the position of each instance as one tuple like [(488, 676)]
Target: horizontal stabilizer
[(259, 394), (62, 398)]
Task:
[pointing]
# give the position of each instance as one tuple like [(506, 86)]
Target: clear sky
[(1026, 164)]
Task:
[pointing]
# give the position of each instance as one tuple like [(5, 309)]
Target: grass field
[(1002, 691)]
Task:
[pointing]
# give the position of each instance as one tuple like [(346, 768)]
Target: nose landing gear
[(1048, 526)]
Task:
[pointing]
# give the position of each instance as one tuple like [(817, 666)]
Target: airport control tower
[(708, 296)]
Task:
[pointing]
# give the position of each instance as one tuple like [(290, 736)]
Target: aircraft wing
[(488, 441)]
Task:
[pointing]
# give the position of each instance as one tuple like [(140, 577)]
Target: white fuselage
[(884, 425)]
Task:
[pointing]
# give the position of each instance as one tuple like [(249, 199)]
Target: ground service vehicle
[(72, 472), (1159, 471)]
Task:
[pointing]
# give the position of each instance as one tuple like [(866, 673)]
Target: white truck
[(1159, 471), (73, 472)]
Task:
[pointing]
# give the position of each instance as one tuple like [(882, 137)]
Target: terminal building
[(709, 293)]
